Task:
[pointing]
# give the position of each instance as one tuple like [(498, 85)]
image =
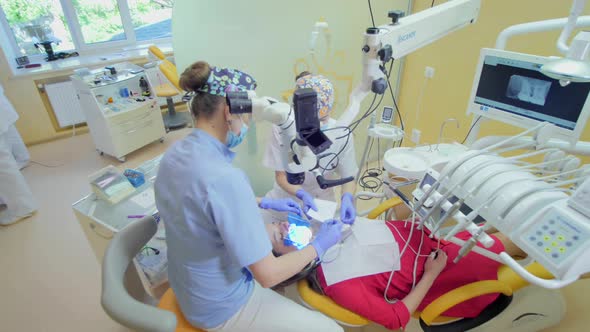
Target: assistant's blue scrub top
[(214, 229)]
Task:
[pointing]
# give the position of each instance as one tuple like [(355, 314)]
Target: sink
[(450, 150), (413, 163), (406, 162)]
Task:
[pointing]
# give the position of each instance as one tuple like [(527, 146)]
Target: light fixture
[(574, 67)]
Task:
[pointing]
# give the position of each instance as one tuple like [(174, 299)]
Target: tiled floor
[(49, 277)]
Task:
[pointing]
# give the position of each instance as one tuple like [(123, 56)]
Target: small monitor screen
[(518, 87)]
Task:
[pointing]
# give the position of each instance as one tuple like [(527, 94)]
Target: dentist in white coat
[(16, 199)]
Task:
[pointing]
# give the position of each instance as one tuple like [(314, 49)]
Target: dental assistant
[(16, 199), (220, 263), (344, 165)]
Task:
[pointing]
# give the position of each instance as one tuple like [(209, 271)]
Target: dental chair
[(115, 298), (172, 119), (530, 309), (156, 52)]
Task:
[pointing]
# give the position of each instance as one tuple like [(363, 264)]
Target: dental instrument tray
[(110, 185)]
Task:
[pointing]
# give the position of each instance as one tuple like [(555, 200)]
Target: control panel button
[(548, 250), (568, 243), (554, 255), (561, 238), (562, 250)]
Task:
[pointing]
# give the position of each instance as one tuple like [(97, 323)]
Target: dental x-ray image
[(530, 90)]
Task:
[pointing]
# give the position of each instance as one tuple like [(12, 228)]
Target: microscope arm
[(397, 40)]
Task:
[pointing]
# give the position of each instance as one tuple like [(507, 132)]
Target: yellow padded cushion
[(168, 302), (386, 205), (165, 90), (462, 294), (328, 307), (155, 50), (169, 70), (516, 282)]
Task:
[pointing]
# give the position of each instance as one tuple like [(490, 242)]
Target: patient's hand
[(435, 263)]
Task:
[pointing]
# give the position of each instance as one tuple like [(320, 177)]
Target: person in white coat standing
[(16, 199), (339, 160)]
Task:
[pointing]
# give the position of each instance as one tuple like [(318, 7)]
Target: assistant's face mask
[(234, 139)]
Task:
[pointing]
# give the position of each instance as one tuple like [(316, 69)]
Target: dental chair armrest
[(386, 205), (462, 294)]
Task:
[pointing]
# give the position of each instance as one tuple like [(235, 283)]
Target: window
[(34, 22), (151, 19), (100, 20), (82, 24)]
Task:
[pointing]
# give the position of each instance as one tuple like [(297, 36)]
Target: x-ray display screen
[(519, 87)]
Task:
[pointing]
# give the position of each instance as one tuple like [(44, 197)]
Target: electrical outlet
[(416, 136), (429, 72)]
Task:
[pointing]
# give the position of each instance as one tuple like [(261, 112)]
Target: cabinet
[(100, 220), (121, 120)]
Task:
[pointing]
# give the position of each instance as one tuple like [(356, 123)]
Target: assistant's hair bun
[(195, 76)]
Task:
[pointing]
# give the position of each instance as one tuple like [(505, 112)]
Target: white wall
[(266, 38)]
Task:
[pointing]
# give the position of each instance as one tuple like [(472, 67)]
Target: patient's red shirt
[(364, 295)]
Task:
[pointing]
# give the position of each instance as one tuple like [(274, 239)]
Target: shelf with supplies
[(111, 206), (121, 111)]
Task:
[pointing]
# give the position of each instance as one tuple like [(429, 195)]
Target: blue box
[(135, 177)]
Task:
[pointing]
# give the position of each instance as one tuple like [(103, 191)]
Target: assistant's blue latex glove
[(347, 210), (307, 199), (329, 234), (282, 205)]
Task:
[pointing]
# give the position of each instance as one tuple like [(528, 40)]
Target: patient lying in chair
[(435, 274)]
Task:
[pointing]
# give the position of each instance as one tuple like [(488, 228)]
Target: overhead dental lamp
[(574, 67)]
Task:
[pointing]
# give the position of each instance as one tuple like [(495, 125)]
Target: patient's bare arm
[(432, 268)]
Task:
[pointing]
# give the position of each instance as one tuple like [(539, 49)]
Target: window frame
[(75, 29)]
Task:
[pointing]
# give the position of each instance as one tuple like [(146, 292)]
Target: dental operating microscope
[(302, 140)]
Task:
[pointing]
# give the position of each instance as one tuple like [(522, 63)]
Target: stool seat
[(168, 302), (166, 90)]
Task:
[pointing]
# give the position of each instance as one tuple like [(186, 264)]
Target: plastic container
[(135, 177)]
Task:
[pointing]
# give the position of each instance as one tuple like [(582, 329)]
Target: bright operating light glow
[(298, 236)]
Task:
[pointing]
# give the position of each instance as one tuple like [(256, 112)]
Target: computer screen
[(509, 87)]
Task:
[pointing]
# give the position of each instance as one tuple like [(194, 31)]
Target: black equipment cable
[(470, 129), (371, 11)]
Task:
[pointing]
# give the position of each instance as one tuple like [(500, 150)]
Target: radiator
[(65, 103)]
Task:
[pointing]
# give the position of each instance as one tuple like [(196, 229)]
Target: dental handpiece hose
[(468, 246)]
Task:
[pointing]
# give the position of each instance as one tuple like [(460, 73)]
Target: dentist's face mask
[(234, 139)]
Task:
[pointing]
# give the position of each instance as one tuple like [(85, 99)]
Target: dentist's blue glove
[(329, 234), (347, 210), (307, 199), (281, 204)]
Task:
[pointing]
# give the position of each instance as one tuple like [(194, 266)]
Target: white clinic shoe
[(13, 220)]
